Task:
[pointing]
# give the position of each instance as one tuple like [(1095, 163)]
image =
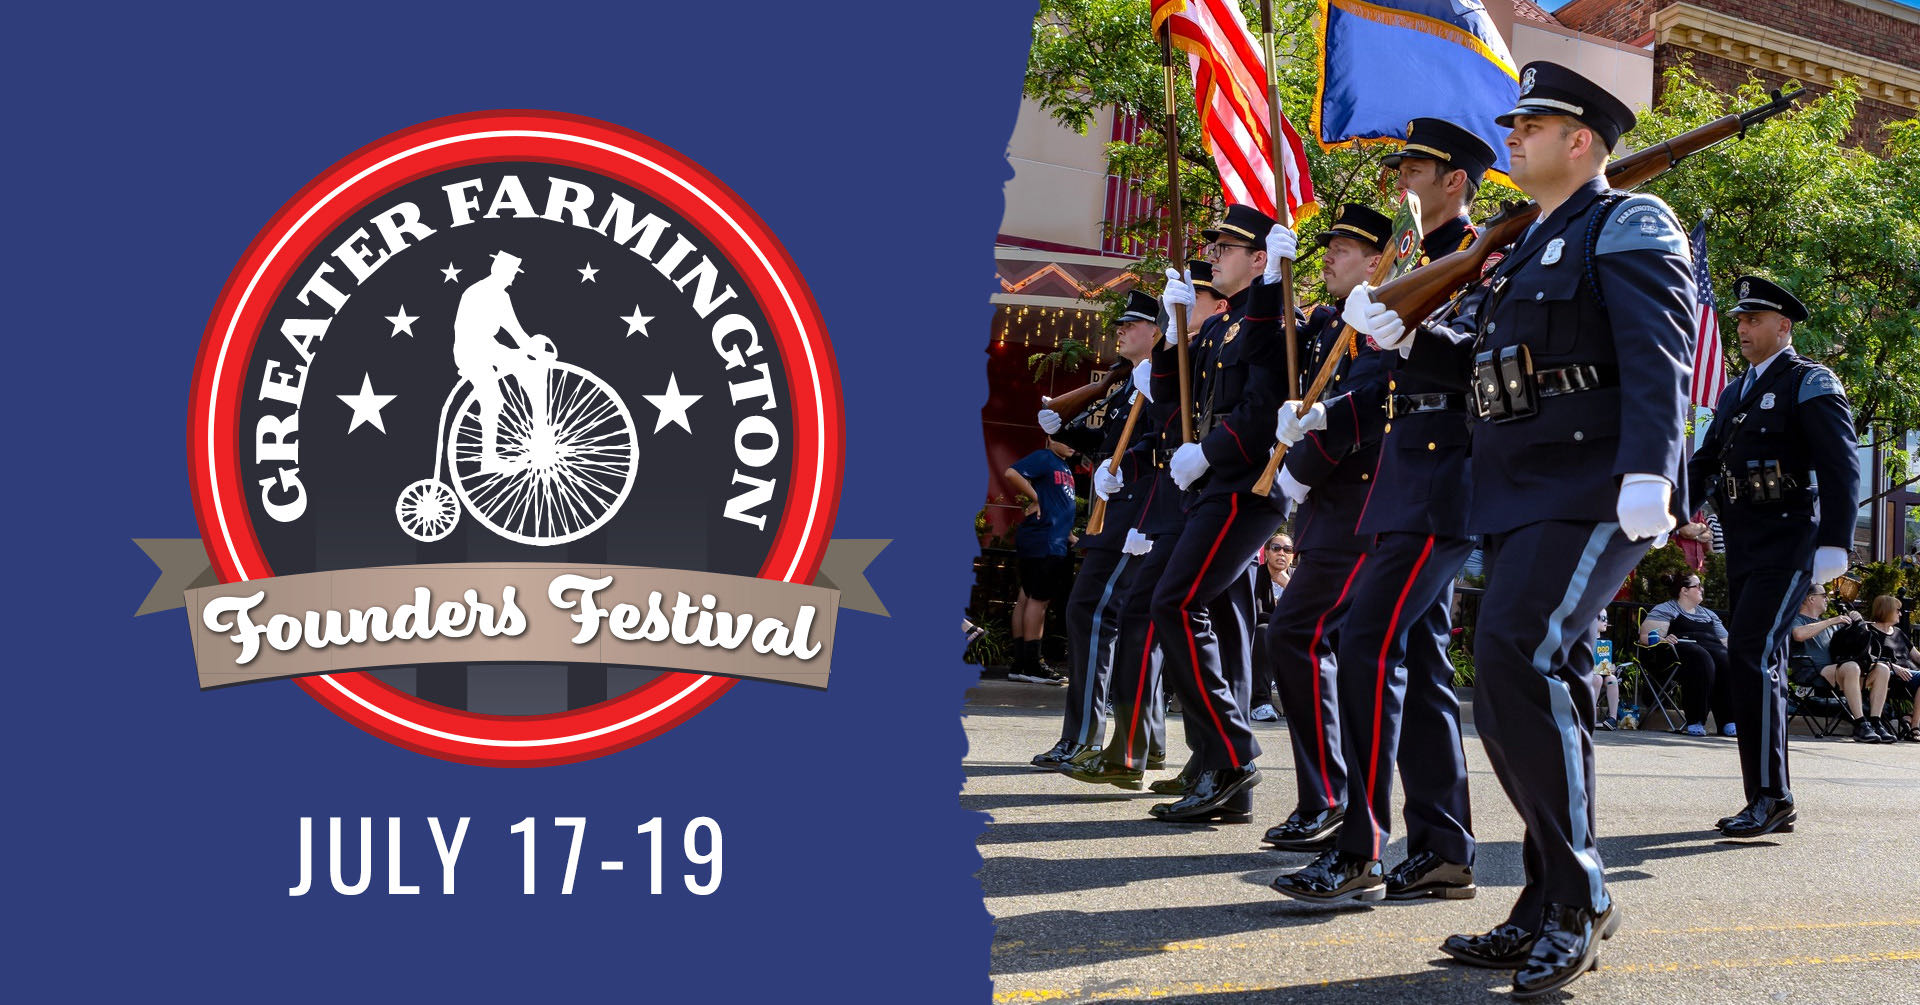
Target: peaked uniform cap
[(1551, 89), (1758, 293)]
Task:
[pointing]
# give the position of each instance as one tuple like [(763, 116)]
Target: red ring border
[(821, 447)]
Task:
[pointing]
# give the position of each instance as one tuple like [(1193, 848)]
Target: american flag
[(1709, 357), (1230, 90)]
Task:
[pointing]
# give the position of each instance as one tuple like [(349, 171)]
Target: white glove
[(1106, 483), (1292, 487), (1188, 464), (1660, 541), (1143, 380), (1294, 426), (1049, 421), (1179, 293), (1644, 500), (1376, 321), (1829, 564), (1282, 246), (1137, 543)]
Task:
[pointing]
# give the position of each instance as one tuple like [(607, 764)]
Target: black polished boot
[(1766, 815), (1568, 946), (1504, 948), (1211, 792), (1336, 877), (1178, 785), (1306, 832), (1054, 756), (1104, 772), (1425, 874)]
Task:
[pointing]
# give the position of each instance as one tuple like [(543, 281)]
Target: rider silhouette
[(486, 310)]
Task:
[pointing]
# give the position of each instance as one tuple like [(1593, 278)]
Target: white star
[(450, 272), (402, 322), (637, 322), (672, 405), (586, 274), (366, 405)]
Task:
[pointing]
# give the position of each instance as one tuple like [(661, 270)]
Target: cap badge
[(1526, 82), (1744, 289)]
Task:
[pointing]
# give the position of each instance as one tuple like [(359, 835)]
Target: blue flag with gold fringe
[(1382, 64)]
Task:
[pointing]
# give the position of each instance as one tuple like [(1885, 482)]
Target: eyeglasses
[(1212, 254), (1693, 586), (1279, 547)]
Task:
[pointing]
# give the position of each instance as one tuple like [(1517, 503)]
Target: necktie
[(1746, 384)]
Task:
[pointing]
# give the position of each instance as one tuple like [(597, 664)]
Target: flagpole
[(1274, 141), (1176, 243)]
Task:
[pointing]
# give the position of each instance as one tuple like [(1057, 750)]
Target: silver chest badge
[(1766, 400), (1553, 251)]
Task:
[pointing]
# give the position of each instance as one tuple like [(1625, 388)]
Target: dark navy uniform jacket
[(1627, 312), (1423, 485), (1150, 495), (1095, 433), (1240, 395), (1797, 415), (1338, 463)]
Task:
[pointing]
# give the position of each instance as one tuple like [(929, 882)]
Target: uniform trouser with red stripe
[(1139, 702), (1534, 693), (1300, 638), (1764, 603), (1093, 624), (1207, 575), (1388, 633)]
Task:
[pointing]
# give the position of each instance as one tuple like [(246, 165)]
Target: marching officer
[(1337, 465), (1393, 670), (1111, 557), (1579, 371), (1203, 605), (1779, 463), (1143, 487)]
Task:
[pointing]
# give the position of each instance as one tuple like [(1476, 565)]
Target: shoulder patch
[(1642, 223), (1819, 380)]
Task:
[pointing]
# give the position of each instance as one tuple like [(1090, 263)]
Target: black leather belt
[(1163, 456), (1413, 404)]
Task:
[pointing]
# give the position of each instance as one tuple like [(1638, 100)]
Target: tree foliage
[(1837, 225)]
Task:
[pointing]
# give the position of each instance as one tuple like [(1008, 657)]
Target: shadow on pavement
[(1108, 936), (1019, 877)]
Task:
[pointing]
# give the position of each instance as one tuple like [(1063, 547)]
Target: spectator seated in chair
[(1828, 651), (1890, 649), (1609, 676), (1700, 644)]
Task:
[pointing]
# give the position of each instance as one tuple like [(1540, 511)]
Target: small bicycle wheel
[(556, 481), (427, 510)]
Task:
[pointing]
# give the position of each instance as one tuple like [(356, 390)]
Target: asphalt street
[(1096, 901)]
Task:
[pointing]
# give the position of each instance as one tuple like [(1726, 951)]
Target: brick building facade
[(1812, 41)]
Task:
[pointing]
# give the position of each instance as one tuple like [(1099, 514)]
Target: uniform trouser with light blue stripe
[(1139, 702), (1764, 603), (1093, 623), (1397, 701), (1534, 694)]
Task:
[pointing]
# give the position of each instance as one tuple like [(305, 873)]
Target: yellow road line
[(1269, 937), (1441, 977)]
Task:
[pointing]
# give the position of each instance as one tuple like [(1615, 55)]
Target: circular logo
[(508, 337)]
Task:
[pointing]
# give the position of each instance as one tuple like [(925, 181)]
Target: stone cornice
[(1795, 56)]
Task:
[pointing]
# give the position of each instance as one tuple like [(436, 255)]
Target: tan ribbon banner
[(523, 612)]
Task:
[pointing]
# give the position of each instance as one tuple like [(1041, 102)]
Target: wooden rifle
[(1072, 403), (1420, 292)]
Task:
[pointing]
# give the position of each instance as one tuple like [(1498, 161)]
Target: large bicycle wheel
[(563, 478)]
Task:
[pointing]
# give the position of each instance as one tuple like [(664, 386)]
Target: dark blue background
[(151, 828)]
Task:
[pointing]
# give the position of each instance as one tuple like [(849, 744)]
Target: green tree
[(1837, 225)]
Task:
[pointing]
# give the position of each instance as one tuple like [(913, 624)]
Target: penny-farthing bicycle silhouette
[(553, 477)]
